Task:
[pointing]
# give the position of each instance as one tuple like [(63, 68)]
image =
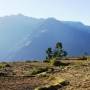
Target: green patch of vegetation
[(28, 61), (52, 54), (46, 61), (3, 65), (54, 62), (58, 51)]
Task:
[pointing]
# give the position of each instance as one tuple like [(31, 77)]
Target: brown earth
[(19, 77)]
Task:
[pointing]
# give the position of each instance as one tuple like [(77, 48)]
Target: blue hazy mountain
[(14, 30), (25, 38)]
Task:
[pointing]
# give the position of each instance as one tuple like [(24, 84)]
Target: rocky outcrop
[(53, 84)]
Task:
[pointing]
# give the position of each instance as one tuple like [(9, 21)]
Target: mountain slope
[(24, 38), (14, 30), (75, 40)]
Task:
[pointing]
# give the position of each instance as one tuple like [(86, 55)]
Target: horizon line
[(20, 14)]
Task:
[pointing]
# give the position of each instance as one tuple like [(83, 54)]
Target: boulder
[(53, 83)]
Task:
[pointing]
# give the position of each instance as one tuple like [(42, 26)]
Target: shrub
[(2, 65), (58, 51), (7, 65), (28, 61), (46, 61), (55, 62), (35, 61), (84, 58)]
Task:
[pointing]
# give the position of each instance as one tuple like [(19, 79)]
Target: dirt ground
[(77, 73)]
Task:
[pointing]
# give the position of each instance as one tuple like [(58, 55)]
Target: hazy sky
[(72, 10)]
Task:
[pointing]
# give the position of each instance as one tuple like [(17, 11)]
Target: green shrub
[(28, 61), (7, 65), (2, 65), (55, 62), (46, 61), (35, 61)]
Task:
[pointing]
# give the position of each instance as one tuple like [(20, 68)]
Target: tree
[(59, 45), (59, 52), (49, 53)]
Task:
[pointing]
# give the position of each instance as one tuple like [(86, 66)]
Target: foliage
[(57, 52), (28, 61), (49, 53), (54, 62), (3, 65), (46, 61)]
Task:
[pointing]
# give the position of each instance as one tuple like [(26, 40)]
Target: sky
[(66, 10)]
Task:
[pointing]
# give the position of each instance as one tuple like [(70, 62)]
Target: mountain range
[(27, 38)]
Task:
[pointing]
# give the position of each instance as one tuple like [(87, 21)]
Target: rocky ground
[(18, 75)]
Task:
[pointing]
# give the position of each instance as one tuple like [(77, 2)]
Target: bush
[(2, 65), (28, 61), (7, 65), (55, 62), (35, 61), (46, 61), (84, 58)]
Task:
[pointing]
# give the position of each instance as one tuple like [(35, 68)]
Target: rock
[(54, 81), (53, 84), (43, 74), (50, 70), (46, 88)]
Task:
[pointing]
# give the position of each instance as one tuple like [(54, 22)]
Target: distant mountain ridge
[(26, 38)]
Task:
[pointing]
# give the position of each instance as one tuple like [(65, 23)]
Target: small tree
[(49, 53), (59, 45), (59, 51)]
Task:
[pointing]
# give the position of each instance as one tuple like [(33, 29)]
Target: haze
[(68, 10)]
